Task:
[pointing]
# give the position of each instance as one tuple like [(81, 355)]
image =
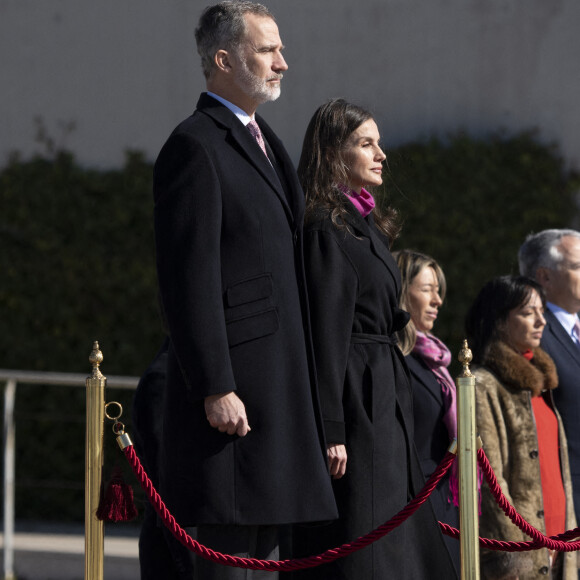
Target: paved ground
[(59, 555)]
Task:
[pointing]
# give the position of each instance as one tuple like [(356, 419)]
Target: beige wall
[(126, 71)]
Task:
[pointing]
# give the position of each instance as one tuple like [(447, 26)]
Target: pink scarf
[(363, 201), (437, 357)]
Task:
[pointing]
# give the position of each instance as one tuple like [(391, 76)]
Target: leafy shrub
[(77, 265), (470, 203)]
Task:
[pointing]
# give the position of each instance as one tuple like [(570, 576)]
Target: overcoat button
[(540, 513), (544, 570), (534, 453)]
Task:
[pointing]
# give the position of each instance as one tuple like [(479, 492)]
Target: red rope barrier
[(539, 539), (560, 542), (283, 565), (503, 546)]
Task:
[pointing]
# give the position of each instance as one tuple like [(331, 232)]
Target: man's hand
[(227, 413), (336, 460)]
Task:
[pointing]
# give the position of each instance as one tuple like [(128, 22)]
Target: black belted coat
[(353, 285)]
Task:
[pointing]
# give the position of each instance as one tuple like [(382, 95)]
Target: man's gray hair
[(223, 26), (540, 251)]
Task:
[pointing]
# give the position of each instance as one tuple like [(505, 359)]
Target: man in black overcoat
[(243, 449), (552, 257)]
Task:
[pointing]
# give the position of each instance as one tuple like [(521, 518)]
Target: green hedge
[(77, 264), (470, 203)]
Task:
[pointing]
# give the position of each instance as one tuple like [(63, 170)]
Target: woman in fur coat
[(521, 430)]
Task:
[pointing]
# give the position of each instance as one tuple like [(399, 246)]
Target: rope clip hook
[(123, 439)]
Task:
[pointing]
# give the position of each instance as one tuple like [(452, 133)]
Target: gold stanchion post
[(467, 454), (94, 531)]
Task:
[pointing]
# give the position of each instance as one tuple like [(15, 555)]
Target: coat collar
[(514, 370), (366, 227), (246, 143)]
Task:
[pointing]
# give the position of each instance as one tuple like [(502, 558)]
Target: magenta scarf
[(437, 357), (363, 201)]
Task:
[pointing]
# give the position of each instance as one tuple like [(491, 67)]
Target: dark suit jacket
[(558, 344), (229, 260), (432, 442)]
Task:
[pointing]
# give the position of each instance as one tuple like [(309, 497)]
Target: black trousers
[(244, 541), (160, 554)]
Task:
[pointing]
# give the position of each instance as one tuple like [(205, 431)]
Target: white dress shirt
[(570, 322), (241, 115)]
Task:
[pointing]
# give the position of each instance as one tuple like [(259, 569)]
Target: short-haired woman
[(434, 398)]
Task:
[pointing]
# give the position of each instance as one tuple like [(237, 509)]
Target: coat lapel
[(296, 195), (244, 141), (427, 378), (368, 230), (560, 334)]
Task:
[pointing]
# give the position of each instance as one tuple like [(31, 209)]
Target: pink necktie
[(257, 134), (577, 332)]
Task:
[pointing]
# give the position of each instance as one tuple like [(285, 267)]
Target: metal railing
[(466, 447), (11, 378)]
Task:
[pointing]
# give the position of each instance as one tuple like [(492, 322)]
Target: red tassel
[(116, 504)]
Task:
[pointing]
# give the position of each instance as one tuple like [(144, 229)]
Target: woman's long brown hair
[(322, 167)]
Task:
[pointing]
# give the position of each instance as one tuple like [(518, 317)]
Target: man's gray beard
[(256, 88)]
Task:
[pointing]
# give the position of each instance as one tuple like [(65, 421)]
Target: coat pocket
[(250, 290), (252, 326)]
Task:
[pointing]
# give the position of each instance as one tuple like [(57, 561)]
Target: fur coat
[(505, 385)]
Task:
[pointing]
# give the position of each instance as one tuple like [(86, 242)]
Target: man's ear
[(222, 60), (543, 276)]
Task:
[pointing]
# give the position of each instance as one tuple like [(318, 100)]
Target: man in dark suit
[(242, 447), (552, 257), (161, 555)]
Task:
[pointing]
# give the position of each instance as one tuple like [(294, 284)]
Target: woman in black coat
[(434, 408), (366, 401)]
